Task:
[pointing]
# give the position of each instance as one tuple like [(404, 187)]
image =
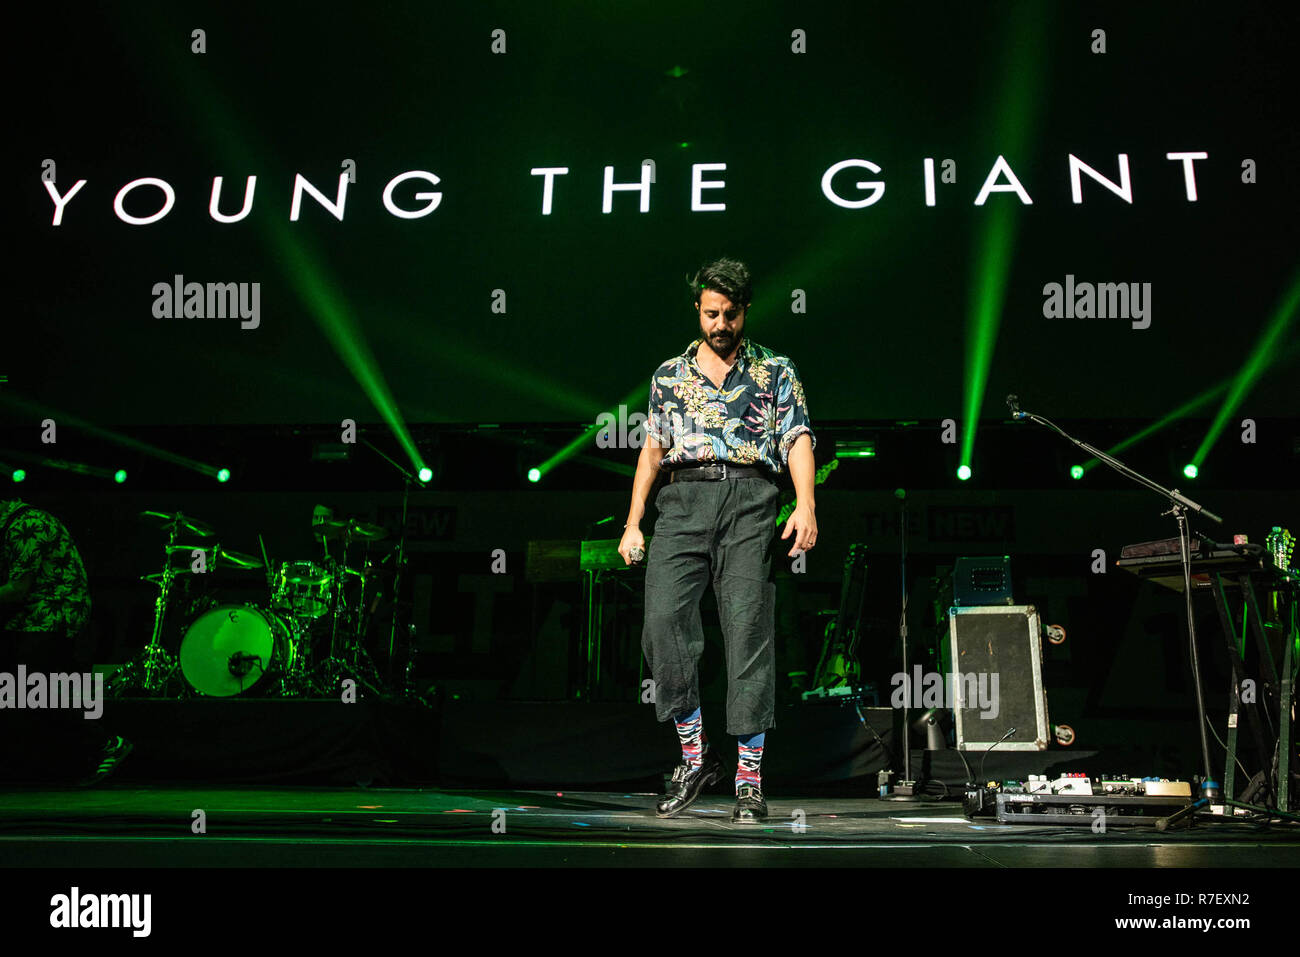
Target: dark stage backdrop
[(489, 309)]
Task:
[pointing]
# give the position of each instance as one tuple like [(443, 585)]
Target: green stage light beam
[(78, 468), (569, 451), (1184, 410), (332, 316), (325, 305), (982, 324), (1022, 91), (499, 369), (618, 468), (632, 401), (62, 465), (66, 419), (1260, 358)]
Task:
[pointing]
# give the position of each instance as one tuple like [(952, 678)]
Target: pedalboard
[(1074, 798)]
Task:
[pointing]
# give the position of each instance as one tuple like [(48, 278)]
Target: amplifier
[(982, 581), (997, 672)]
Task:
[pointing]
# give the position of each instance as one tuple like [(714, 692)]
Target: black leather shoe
[(750, 806), (687, 785)]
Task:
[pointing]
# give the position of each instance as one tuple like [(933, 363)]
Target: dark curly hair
[(727, 276)]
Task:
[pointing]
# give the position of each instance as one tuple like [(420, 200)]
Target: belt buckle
[(724, 472)]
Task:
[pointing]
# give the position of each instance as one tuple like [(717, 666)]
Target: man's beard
[(722, 343)]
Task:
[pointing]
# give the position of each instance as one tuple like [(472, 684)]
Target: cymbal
[(180, 521), (218, 553), (180, 549), (238, 559), (357, 531), (157, 577)]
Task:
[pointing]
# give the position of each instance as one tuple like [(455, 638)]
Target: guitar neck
[(788, 509)]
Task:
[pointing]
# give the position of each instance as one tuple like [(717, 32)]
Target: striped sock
[(690, 730), (750, 754)]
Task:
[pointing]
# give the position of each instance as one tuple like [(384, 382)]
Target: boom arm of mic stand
[(406, 473), (1175, 496)]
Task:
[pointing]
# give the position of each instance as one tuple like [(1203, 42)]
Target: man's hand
[(804, 524), (647, 471), (632, 538)]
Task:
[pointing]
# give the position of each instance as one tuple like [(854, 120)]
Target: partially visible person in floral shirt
[(43, 585)]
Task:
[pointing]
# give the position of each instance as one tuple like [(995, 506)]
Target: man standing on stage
[(725, 417)]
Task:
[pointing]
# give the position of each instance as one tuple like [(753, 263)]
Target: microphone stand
[(1180, 504), (906, 789), (407, 478)]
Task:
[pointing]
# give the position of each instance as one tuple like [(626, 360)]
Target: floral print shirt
[(753, 419), (37, 542)]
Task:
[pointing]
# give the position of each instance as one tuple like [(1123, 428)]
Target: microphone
[(636, 553), (1013, 403), (241, 663)]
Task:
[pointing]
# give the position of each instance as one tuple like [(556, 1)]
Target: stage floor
[(123, 826)]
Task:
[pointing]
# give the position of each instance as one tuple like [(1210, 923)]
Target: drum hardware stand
[(347, 658), (398, 569), (295, 681), (153, 666), (337, 570), (1179, 505), (408, 673)]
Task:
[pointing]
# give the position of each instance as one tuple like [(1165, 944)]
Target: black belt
[(720, 472)]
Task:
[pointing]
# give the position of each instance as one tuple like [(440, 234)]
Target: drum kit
[(305, 636)]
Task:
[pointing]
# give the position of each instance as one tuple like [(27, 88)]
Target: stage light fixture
[(1076, 472), (856, 449), (1190, 470), (119, 476), (223, 475), (963, 472), (534, 475)]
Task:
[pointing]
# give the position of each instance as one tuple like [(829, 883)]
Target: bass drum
[(229, 650)]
